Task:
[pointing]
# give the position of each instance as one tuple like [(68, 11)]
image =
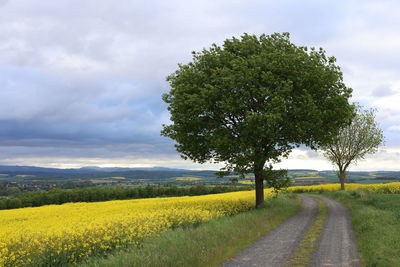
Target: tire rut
[(278, 245), (336, 246)]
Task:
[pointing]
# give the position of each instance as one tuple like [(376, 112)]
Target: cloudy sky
[(81, 81)]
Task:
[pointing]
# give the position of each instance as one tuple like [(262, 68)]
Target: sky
[(81, 81)]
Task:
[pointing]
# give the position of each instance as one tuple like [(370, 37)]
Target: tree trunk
[(259, 190), (259, 179), (342, 177)]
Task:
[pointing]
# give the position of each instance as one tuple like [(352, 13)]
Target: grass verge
[(376, 225), (208, 244), (305, 249)]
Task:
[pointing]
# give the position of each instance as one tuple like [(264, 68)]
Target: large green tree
[(251, 101), (353, 142)]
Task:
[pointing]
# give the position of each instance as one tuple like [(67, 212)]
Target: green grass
[(305, 249), (376, 224), (208, 244)]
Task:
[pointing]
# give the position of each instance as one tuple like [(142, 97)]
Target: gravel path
[(336, 246), (275, 248)]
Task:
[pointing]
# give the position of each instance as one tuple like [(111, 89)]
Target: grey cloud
[(34, 107), (36, 95), (130, 38), (367, 35), (383, 91), (310, 22), (313, 154), (74, 150)]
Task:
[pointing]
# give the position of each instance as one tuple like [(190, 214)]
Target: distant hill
[(94, 169), (117, 169), (163, 175), (38, 173), (84, 170)]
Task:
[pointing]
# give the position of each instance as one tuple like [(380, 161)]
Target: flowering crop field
[(59, 234), (389, 188), (252, 182)]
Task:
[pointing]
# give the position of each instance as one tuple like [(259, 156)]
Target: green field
[(33, 180)]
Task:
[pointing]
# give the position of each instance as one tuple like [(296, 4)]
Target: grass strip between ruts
[(302, 256), (209, 244)]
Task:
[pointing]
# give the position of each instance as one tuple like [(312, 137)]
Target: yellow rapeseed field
[(118, 178), (59, 234), (372, 188), (247, 182)]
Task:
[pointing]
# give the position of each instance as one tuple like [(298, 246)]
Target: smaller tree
[(363, 136)]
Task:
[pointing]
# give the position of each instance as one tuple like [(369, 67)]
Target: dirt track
[(336, 246), (275, 248)]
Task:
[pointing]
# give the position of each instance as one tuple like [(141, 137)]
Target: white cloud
[(301, 159), (395, 128)]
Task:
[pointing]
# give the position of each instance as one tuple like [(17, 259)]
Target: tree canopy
[(252, 100), (363, 136)]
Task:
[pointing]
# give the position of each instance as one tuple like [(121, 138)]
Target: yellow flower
[(68, 232)]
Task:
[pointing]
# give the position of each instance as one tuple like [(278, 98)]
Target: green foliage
[(254, 94), (253, 100), (13, 191), (60, 196), (277, 179), (363, 136)]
